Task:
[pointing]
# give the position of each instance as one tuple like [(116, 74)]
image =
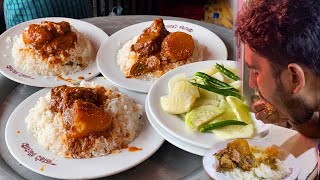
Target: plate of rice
[(78, 132), (49, 52), (136, 56), (250, 159)]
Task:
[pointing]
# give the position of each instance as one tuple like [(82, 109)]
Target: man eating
[(282, 51)]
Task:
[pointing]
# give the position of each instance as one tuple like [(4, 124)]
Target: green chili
[(227, 72), (221, 124), (224, 92)]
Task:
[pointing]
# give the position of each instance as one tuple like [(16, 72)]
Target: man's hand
[(260, 109), (268, 113)]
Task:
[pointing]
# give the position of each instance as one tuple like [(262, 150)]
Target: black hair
[(282, 31)]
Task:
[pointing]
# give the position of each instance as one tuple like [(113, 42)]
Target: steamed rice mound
[(73, 60), (261, 172), (48, 127)]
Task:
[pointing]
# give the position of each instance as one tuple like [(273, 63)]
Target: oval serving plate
[(107, 62), (25, 149), (7, 68)]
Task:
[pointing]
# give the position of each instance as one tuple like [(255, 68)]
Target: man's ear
[(297, 77)]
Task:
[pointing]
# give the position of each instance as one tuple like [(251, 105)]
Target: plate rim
[(35, 83), (41, 93), (260, 143), (145, 90)]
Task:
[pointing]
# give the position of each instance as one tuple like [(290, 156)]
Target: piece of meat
[(150, 40), (82, 109), (241, 146), (177, 46), (237, 154), (240, 151), (50, 38), (144, 66), (85, 118), (225, 164), (36, 35), (63, 97)]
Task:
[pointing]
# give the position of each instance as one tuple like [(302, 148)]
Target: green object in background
[(18, 11)]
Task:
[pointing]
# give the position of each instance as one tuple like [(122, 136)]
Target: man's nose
[(252, 80)]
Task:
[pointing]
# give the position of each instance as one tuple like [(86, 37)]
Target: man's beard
[(296, 107)]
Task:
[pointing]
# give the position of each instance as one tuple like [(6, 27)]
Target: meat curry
[(50, 38), (156, 48), (82, 109), (239, 154)]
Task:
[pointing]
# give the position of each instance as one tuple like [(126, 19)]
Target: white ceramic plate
[(25, 149), (171, 123), (210, 163), (215, 49), (7, 68), (173, 140)]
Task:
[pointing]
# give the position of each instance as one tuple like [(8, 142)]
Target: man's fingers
[(262, 115), (258, 106)]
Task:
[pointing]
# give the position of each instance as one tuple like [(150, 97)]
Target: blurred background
[(212, 11)]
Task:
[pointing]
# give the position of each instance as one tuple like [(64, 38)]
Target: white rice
[(261, 172), (125, 58), (30, 61), (47, 127)]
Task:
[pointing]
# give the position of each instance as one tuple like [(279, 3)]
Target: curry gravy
[(50, 39)]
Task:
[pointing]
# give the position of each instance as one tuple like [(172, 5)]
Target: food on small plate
[(85, 121), (210, 101), (52, 48), (239, 160), (157, 51)]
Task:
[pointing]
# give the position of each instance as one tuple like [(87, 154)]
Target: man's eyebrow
[(251, 66)]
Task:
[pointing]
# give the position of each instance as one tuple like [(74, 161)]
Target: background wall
[(2, 24), (212, 11)]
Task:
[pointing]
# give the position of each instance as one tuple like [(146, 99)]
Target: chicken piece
[(241, 154), (241, 146), (224, 161), (50, 38), (85, 118), (144, 66), (36, 35), (82, 109), (63, 97), (237, 154), (177, 46), (149, 42), (225, 164), (60, 28)]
